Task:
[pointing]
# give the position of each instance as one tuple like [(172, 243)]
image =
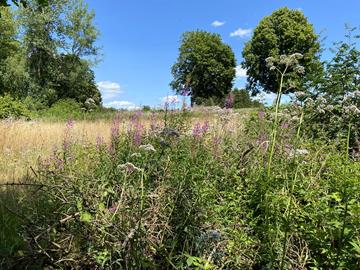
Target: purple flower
[(67, 135), (262, 142), (99, 142), (138, 134), (70, 124), (284, 125), (261, 115), (197, 130), (205, 127), (113, 208), (229, 101)]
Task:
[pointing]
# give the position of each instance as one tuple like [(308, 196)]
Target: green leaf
[(85, 217)]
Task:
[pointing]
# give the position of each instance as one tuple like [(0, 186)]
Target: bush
[(12, 108), (64, 109)]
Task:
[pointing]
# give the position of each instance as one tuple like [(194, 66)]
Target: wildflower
[(197, 130), (128, 167), (135, 155), (300, 94), (138, 133), (205, 127), (298, 152), (261, 115), (113, 208), (284, 125), (67, 135), (357, 93), (229, 101), (263, 142), (299, 69), (69, 124), (147, 147), (270, 61)]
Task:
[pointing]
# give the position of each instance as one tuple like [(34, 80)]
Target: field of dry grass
[(22, 143)]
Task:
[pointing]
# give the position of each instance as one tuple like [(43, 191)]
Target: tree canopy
[(52, 57), (205, 67), (284, 32)]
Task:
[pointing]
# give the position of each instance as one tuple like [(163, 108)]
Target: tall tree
[(79, 30), (205, 67), (13, 75), (343, 72), (75, 80), (284, 32), (60, 41)]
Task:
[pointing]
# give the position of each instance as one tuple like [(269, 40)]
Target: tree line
[(205, 68), (47, 52)]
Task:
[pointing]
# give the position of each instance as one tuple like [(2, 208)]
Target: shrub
[(64, 109), (12, 108)]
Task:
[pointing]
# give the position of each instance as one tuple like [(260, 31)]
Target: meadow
[(90, 180), (178, 190)]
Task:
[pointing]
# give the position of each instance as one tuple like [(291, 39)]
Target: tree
[(343, 72), (80, 31), (284, 32), (205, 67), (75, 80), (60, 40), (21, 2), (241, 99), (13, 75)]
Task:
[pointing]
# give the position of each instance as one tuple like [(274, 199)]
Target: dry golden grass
[(22, 143)]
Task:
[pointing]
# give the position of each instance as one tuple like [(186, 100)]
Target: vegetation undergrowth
[(182, 196)]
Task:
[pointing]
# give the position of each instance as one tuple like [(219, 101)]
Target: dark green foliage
[(205, 66), (75, 80), (242, 99), (284, 32)]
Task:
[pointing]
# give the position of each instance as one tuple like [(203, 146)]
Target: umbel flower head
[(284, 62)]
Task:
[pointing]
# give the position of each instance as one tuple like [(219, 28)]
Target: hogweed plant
[(283, 66)]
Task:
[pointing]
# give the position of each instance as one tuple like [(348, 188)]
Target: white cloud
[(241, 33), (217, 23), (170, 99), (240, 72), (122, 104), (109, 89)]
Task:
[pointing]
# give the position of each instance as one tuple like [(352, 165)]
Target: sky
[(140, 38)]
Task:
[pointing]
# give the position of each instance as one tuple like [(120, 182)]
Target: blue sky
[(140, 38)]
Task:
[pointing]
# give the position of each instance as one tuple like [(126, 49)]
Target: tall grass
[(195, 194)]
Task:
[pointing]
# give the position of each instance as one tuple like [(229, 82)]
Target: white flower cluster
[(286, 60)]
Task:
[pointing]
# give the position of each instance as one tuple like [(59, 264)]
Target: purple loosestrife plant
[(136, 128), (229, 101), (200, 130), (67, 139)]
